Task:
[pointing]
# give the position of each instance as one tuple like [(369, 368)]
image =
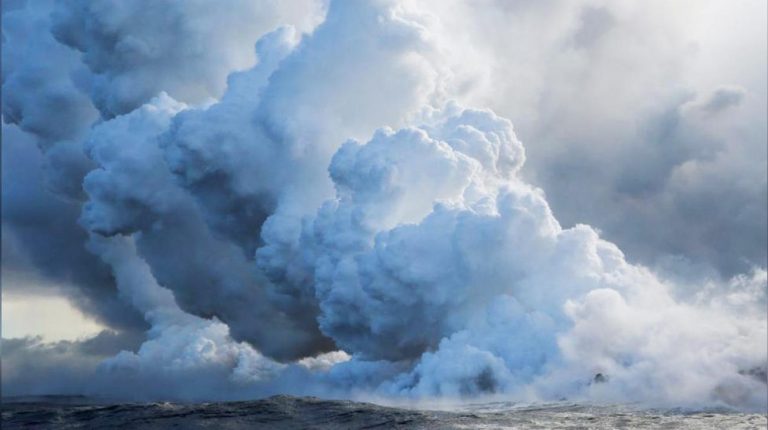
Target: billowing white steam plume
[(264, 247)]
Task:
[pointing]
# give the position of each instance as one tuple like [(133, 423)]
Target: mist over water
[(312, 199)]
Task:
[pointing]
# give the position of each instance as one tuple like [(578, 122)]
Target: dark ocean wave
[(285, 412)]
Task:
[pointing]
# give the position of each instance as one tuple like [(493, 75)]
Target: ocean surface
[(285, 412)]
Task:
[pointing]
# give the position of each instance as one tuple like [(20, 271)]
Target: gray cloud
[(210, 277), (41, 238), (673, 189), (723, 98), (31, 366), (40, 94), (619, 107), (135, 50), (256, 217)]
